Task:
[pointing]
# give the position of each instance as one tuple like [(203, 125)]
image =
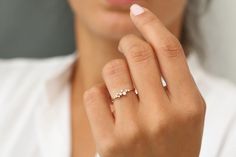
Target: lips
[(120, 2)]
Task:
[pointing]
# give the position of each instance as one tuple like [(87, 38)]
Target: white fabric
[(211, 30), (35, 109), (218, 29)]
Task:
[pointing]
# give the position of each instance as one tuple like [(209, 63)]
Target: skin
[(160, 121)]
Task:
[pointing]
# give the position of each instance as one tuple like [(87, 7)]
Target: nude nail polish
[(136, 9)]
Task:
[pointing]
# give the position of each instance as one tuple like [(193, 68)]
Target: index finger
[(168, 49)]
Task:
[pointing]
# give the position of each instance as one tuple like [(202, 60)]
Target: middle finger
[(143, 67)]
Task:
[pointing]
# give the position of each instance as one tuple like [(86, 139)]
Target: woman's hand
[(160, 121)]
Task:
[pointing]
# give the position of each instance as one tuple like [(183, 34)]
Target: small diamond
[(123, 92)]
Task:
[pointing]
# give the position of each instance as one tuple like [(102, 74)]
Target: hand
[(160, 121)]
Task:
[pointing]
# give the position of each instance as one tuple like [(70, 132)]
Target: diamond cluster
[(122, 92)]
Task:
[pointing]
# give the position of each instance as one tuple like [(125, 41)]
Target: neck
[(95, 51)]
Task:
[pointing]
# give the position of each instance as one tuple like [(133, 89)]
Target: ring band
[(123, 92)]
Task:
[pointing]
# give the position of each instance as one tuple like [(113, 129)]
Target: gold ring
[(123, 92)]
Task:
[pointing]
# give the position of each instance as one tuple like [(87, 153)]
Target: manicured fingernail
[(136, 9)]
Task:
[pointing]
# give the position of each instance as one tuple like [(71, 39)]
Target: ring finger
[(117, 77)]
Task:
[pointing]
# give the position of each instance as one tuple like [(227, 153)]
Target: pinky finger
[(97, 105)]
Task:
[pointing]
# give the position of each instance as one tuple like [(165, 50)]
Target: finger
[(143, 67), (168, 49), (117, 77), (97, 105)]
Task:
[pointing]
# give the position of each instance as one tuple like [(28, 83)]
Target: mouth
[(121, 5), (120, 2)]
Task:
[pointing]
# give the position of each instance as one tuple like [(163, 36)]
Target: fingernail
[(136, 9)]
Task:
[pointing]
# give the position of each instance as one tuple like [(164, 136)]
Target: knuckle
[(139, 52), (90, 95), (196, 112), (194, 115), (135, 49), (199, 107), (159, 129), (201, 110), (114, 68), (132, 136), (108, 147), (171, 47), (126, 39)]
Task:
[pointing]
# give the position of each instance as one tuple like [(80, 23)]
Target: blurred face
[(110, 18)]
